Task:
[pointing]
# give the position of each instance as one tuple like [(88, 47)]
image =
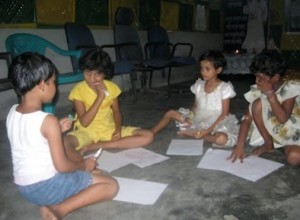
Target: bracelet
[(269, 93), (272, 99)]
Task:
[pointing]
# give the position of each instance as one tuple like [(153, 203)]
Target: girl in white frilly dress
[(209, 118)]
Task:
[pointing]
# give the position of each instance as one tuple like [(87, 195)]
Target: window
[(292, 16)]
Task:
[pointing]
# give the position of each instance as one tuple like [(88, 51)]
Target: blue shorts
[(56, 189)]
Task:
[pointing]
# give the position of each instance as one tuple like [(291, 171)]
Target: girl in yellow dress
[(98, 118)]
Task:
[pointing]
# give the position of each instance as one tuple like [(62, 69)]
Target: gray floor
[(192, 193)]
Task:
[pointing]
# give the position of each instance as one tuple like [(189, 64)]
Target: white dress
[(257, 11), (209, 108)]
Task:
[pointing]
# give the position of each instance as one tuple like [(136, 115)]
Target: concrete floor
[(192, 193)]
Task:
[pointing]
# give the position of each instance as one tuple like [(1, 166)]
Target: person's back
[(43, 173), (32, 160)]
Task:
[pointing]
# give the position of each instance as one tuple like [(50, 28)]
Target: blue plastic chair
[(19, 43), (129, 47)]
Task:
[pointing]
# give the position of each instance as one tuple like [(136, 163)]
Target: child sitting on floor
[(99, 120), (273, 117), (210, 118), (44, 174)]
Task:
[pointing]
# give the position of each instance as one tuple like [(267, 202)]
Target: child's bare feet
[(188, 133), (262, 149), (48, 214)]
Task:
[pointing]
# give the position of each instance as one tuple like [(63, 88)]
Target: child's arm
[(282, 111), (52, 132), (117, 119), (239, 150), (87, 116)]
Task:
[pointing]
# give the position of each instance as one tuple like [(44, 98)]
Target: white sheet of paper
[(139, 191), (187, 147), (253, 168), (111, 161), (142, 157)]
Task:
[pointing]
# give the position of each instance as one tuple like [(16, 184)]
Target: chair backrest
[(79, 36), (158, 40), (4, 83), (19, 43), (127, 36)]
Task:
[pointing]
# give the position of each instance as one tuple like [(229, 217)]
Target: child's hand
[(100, 88), (237, 153), (65, 124), (116, 135), (263, 83), (90, 164)]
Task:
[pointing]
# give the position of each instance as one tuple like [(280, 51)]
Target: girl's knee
[(293, 156), (221, 139), (114, 187), (149, 137)]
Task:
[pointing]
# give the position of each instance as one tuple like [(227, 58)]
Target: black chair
[(4, 82), (80, 37), (161, 47), (128, 46)]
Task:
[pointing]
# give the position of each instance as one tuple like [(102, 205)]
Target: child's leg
[(292, 153), (166, 119), (219, 138), (103, 188), (70, 144), (258, 119), (139, 138)]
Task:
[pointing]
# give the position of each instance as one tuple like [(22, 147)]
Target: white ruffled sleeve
[(227, 91)]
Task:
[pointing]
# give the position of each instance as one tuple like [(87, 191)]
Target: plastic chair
[(80, 37), (19, 43), (128, 45), (161, 47), (4, 82)]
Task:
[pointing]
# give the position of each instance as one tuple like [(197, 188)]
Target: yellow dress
[(103, 126)]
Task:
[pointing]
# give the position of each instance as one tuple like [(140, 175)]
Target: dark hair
[(269, 62), (97, 59), (28, 70), (215, 57)]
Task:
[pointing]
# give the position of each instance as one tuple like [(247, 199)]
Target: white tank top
[(31, 156)]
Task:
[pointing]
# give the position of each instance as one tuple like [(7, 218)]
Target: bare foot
[(262, 149), (188, 133), (48, 214)]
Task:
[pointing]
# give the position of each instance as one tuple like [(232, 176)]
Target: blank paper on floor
[(185, 147), (253, 168), (139, 191), (111, 161), (142, 157)]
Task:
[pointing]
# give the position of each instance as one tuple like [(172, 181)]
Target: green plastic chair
[(19, 43)]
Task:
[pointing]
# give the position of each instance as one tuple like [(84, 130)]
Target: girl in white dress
[(209, 118)]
